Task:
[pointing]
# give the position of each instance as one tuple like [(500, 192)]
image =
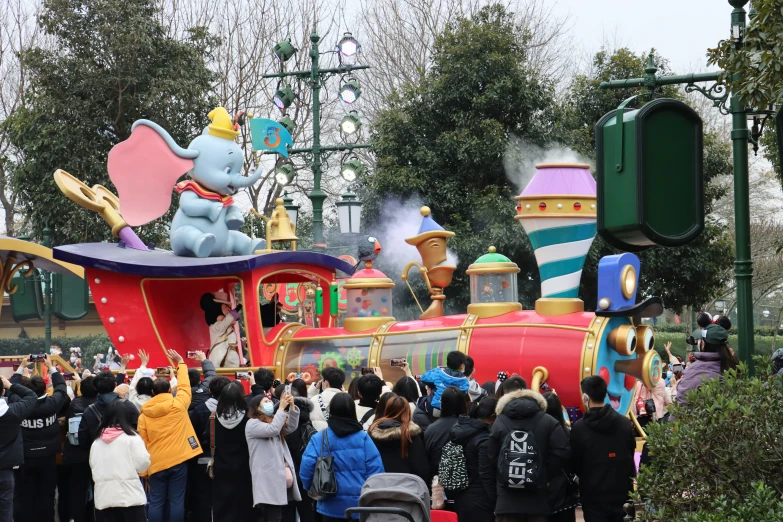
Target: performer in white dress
[(224, 349)]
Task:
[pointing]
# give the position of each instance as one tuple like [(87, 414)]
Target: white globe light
[(348, 174), (348, 45), (348, 127), (281, 178), (348, 96)]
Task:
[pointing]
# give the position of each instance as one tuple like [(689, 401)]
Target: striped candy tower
[(557, 209)]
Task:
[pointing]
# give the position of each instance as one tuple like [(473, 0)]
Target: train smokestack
[(557, 209)]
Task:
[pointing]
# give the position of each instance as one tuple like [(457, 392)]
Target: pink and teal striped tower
[(557, 209)]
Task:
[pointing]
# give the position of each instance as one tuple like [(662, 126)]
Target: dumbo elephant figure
[(145, 169)]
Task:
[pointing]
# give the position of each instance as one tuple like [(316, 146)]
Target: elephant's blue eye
[(228, 170)]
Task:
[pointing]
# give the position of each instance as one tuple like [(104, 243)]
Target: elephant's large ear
[(145, 168)]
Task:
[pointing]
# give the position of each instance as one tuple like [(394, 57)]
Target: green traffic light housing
[(350, 123), (284, 174), (284, 97), (284, 50), (288, 124), (351, 169), (350, 91)]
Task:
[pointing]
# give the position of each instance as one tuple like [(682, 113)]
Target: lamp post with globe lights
[(349, 92)]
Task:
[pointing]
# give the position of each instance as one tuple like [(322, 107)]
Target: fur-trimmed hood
[(391, 430), (521, 403)]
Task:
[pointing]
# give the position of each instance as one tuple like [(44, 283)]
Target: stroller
[(393, 497)]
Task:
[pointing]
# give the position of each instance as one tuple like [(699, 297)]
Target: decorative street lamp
[(284, 97), (292, 209), (284, 174), (348, 45), (350, 123), (349, 212), (351, 169), (288, 124), (283, 51), (350, 91)]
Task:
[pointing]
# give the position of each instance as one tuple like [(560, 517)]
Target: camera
[(242, 376), (398, 363), (68, 376), (690, 340), (367, 371), (37, 357), (163, 370), (191, 354)]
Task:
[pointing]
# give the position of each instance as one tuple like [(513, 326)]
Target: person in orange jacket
[(165, 427)]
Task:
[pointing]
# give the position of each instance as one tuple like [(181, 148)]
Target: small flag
[(270, 135)]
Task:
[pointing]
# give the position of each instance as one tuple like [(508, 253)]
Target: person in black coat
[(521, 409), (232, 487), (452, 405), (36, 479), (296, 442), (472, 432), (105, 382), (399, 441), (200, 504), (200, 389), (76, 460), (603, 446), (564, 497), (422, 415), (16, 404)]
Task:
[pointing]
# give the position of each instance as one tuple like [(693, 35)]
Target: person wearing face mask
[(271, 464), (602, 455)]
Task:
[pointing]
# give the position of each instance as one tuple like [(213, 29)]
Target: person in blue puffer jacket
[(451, 375), (355, 458)]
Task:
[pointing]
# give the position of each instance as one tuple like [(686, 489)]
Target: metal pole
[(47, 281), (317, 196), (743, 266)]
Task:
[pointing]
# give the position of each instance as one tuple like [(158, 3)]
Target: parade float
[(150, 298)]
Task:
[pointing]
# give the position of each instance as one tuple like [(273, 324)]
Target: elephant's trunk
[(240, 181)]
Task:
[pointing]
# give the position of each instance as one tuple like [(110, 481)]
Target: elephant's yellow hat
[(222, 126)]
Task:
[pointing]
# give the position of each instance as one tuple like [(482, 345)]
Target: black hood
[(602, 420), (467, 428), (303, 403), (521, 404)]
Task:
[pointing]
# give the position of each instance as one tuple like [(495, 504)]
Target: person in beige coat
[(271, 465)]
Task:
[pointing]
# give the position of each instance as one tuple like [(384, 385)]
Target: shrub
[(716, 450), (762, 503), (90, 345)]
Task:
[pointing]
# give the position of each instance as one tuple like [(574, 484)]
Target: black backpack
[(520, 462), (308, 430)]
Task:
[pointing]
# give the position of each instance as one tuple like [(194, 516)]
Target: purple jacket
[(705, 368)]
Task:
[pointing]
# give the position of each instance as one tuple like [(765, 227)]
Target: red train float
[(150, 299)]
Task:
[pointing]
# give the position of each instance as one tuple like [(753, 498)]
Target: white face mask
[(268, 408), (586, 401)]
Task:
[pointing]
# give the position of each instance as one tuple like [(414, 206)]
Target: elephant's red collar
[(182, 186)]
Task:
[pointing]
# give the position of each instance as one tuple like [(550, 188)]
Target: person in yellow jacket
[(165, 427)]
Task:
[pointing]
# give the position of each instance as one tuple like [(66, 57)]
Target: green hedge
[(763, 344), (763, 331), (90, 345)]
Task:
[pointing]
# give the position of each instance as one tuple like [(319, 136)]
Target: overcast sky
[(681, 29)]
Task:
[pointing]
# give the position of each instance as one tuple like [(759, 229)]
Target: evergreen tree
[(111, 64)]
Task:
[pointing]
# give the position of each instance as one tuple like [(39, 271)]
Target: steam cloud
[(399, 220), (521, 158)]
